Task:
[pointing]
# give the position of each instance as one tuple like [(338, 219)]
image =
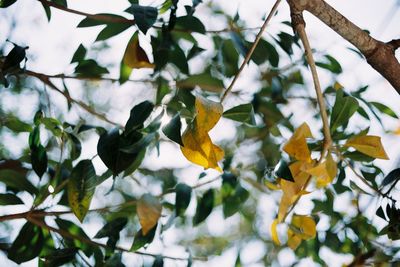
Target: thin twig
[(83, 105), (69, 235), (251, 50)]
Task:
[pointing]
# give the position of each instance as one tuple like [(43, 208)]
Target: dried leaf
[(149, 211), (368, 144), (135, 57), (297, 145), (198, 147), (302, 228), (274, 233)]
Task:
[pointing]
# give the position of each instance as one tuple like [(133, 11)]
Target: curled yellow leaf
[(297, 144), (274, 233), (135, 57), (302, 228), (370, 145), (197, 145), (293, 190)]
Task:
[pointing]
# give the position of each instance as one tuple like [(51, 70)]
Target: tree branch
[(251, 50), (380, 55)]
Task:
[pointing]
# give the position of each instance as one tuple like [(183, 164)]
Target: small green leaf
[(332, 65), (6, 3), (392, 177), (182, 198), (90, 22), (204, 208), (358, 156), (81, 187), (380, 213), (384, 109), (16, 125), (242, 113), (39, 160), (16, 180), (282, 171), (79, 54), (141, 240), (111, 30), (173, 129), (59, 257), (158, 262), (145, 16), (190, 23), (204, 80), (27, 245), (112, 230), (10, 199), (343, 109), (139, 114)]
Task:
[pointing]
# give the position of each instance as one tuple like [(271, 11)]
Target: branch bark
[(380, 55)]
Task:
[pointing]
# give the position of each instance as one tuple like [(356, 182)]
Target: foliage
[(271, 155)]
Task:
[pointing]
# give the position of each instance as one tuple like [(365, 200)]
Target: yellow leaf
[(297, 145), (135, 57), (149, 211), (197, 145), (368, 144), (301, 228), (274, 233), (293, 190), (331, 167), (397, 131)]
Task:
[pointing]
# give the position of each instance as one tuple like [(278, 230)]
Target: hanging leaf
[(149, 211), (182, 198), (38, 153), (198, 147), (81, 187), (112, 230), (141, 240), (10, 199), (297, 144), (343, 109), (135, 57), (111, 30), (204, 208), (145, 16), (173, 129), (158, 262), (27, 245), (368, 144)]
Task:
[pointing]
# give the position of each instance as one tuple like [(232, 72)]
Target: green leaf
[(112, 230), (190, 23), (75, 146), (14, 58), (242, 113), (265, 51), (59, 257), (343, 109), (10, 199), (145, 16), (182, 198), (233, 202), (124, 72), (173, 129), (27, 245), (139, 114), (115, 261), (111, 30), (17, 181), (90, 67), (141, 240), (380, 213), (90, 22), (39, 160), (16, 125), (6, 3), (332, 65), (79, 54), (81, 187), (204, 208), (384, 109), (282, 171), (392, 177), (158, 262), (162, 90), (204, 80)]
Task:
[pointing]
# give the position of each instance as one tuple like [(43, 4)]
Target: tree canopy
[(155, 154)]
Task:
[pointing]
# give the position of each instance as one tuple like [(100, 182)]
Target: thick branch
[(379, 55)]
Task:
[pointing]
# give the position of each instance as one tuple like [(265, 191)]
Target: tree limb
[(380, 55)]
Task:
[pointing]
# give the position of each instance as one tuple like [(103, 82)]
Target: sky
[(47, 41)]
